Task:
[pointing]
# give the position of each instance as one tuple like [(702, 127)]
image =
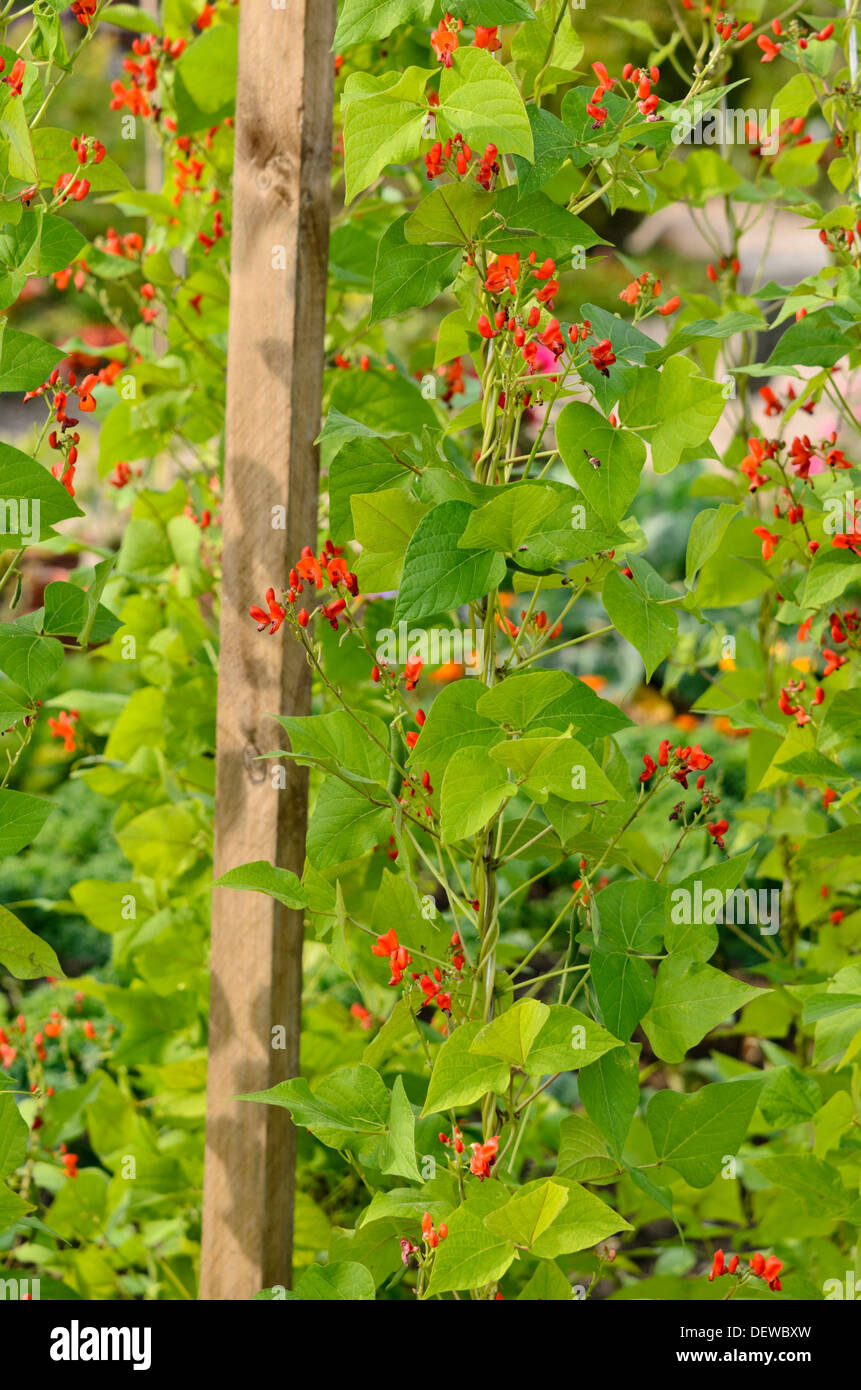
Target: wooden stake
[(274, 386)]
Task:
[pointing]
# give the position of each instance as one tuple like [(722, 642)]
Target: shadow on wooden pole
[(274, 385)]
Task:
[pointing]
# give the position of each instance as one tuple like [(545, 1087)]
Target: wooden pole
[(274, 386)]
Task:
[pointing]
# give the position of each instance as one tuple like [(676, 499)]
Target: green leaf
[(362, 468), (568, 1040), (509, 518), (624, 987), (25, 955), (533, 222), (479, 98), (23, 484), (694, 1134), (343, 1281), (12, 1207), (207, 70), (337, 742), (553, 143), (489, 12), (13, 1135), (472, 792), (68, 611), (580, 707), (583, 1153), (348, 1110), (383, 122), (453, 724), (547, 47), (362, 21), (528, 1214), (583, 433), (29, 660), (344, 824), (631, 915), (262, 877), (459, 1076), (398, 901), (520, 699), (438, 574), (59, 243), (690, 1000), (560, 766), (649, 627), (408, 276), (817, 340), (25, 362), (547, 1285), (51, 148), (583, 1221), (470, 1256), (703, 330), (707, 531), (449, 215), (510, 1036), (399, 1151), (21, 818), (698, 938), (832, 571), (130, 17), (159, 843), (815, 1183), (383, 523), (678, 406), (610, 1091), (16, 137)]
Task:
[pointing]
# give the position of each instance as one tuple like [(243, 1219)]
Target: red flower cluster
[(457, 157), (456, 1140), (682, 763), (645, 288), (429, 1235), (762, 1268)]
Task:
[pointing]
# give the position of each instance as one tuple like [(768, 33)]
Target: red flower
[(717, 832), (768, 541), (487, 38), (273, 619), (483, 1156), (433, 160), (16, 77), (412, 671), (444, 41), (503, 273), (385, 945), (603, 356), (651, 768), (64, 728)]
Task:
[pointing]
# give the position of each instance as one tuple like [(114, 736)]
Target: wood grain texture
[(274, 385)]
